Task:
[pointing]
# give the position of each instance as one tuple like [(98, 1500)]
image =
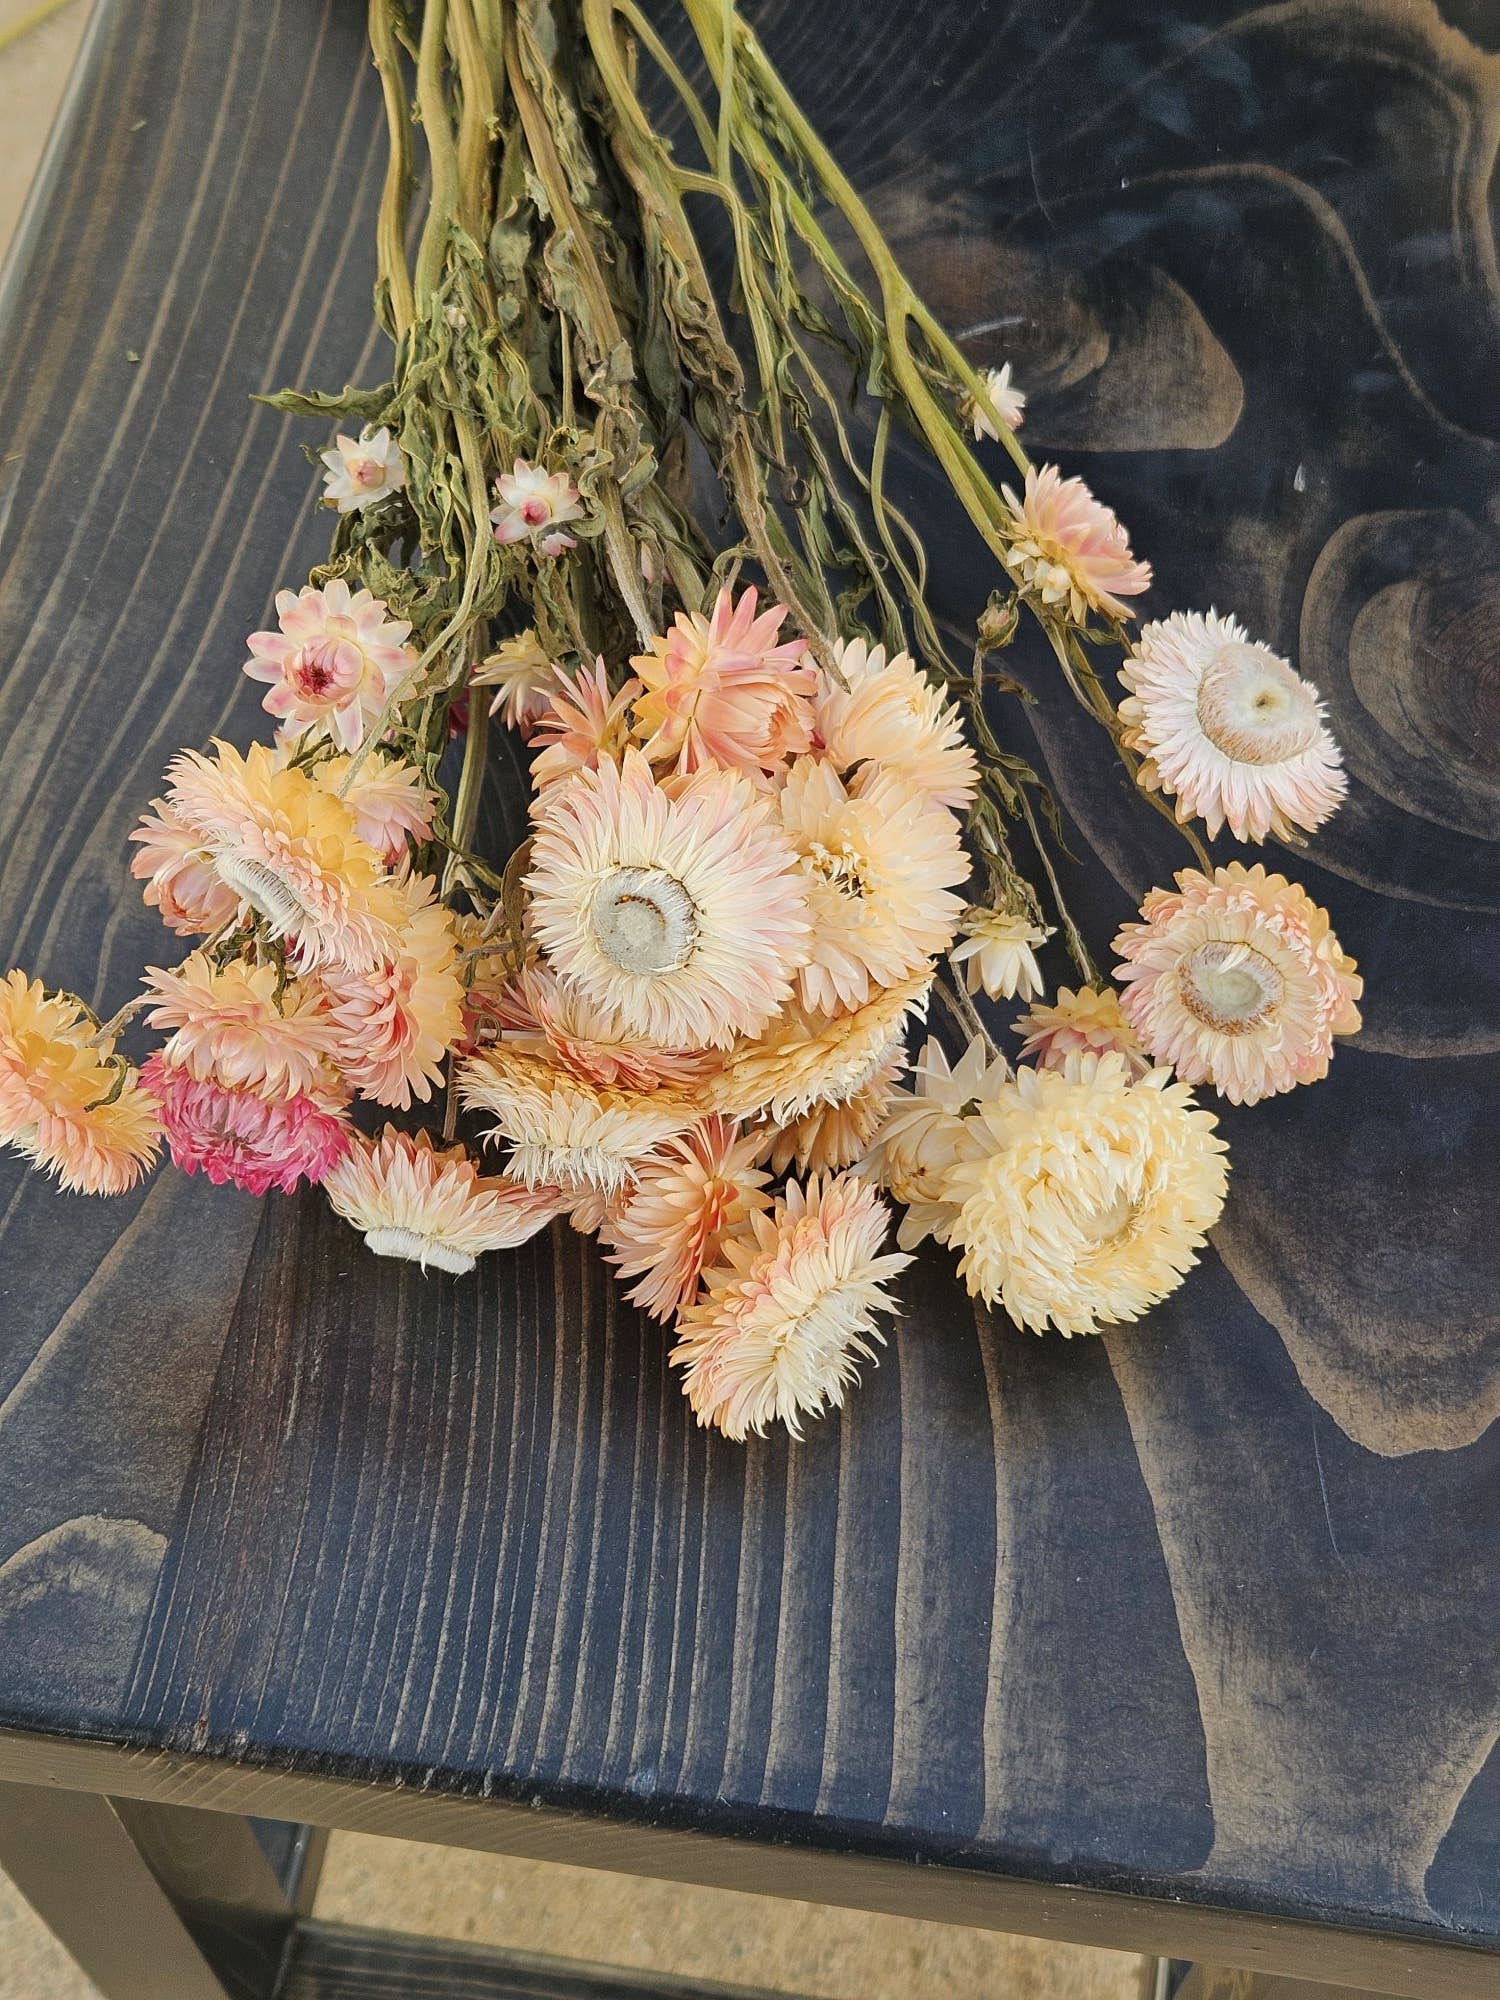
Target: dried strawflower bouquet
[(771, 820)]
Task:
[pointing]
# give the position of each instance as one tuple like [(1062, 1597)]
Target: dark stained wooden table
[(1184, 1639)]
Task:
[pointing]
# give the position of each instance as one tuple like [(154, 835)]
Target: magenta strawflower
[(238, 1136)]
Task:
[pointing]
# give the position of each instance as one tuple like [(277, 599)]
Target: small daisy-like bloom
[(523, 677), (394, 1023), (290, 850), (683, 916), (362, 470), (534, 505), (1009, 401), (537, 1010), (581, 726), (431, 1206), (1088, 1022), (243, 1024), (1225, 727), (1238, 981), (720, 690), (928, 1130), (889, 713), (689, 1194), (236, 1135), (333, 662), (178, 871), (831, 1137), (805, 1060), (999, 947), (1070, 549), (789, 1314), (564, 1131), (1092, 1197), (388, 799), (77, 1111), (880, 864)]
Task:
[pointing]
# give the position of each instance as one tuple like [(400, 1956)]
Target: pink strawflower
[(244, 1024), (688, 1195), (720, 690), (362, 470), (520, 670), (177, 869), (537, 1011), (534, 504), (1070, 549), (1009, 402), (237, 1135), (332, 664), (388, 799), (394, 1024), (1088, 1022), (581, 724)]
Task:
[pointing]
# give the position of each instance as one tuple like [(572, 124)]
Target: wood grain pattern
[(1203, 1615)]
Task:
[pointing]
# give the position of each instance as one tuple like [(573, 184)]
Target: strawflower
[(721, 690), (231, 1134), (430, 1206), (248, 1025), (333, 662), (1069, 548), (362, 470), (887, 712), (688, 1194), (534, 506), (74, 1109), (999, 950)]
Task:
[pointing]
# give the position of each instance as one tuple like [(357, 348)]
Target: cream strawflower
[(1009, 402), (565, 1131), (689, 1193), (930, 1129), (535, 1010), (805, 1060), (1225, 727), (1238, 981), (387, 797), (581, 725), (77, 1111), (1091, 1200), (332, 664), (1088, 1022), (534, 505), (720, 690), (682, 915), (521, 672), (889, 713), (394, 1023), (831, 1137), (362, 470), (410, 1199), (247, 1024), (880, 863), (999, 948), (1069, 548), (289, 850), (790, 1313), (179, 875)]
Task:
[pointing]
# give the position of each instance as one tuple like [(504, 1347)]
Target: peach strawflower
[(804, 1059), (928, 1130), (880, 863), (720, 690), (999, 949), (1009, 402), (534, 505), (1238, 981), (536, 1010), (1069, 548), (1092, 1197), (362, 470), (248, 1025), (590, 1211), (682, 916), (580, 725), (689, 1193), (237, 1135), (394, 1024), (1225, 727), (289, 850), (830, 1137), (889, 713), (564, 1131), (387, 797), (77, 1111), (521, 672), (332, 664), (430, 1206), (178, 871), (789, 1314), (1088, 1022)]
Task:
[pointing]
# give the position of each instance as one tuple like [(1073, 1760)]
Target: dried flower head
[(534, 505), (928, 1130), (236, 1135), (1092, 1197), (805, 1060), (394, 1023), (690, 1192), (1225, 727), (178, 871), (1009, 402), (387, 797), (580, 726), (888, 713), (1070, 549), (521, 672), (362, 470), (999, 948), (75, 1110), (537, 1010), (831, 1137), (1238, 980), (249, 1025), (720, 690), (1086, 1022), (332, 664), (430, 1206), (789, 1314)]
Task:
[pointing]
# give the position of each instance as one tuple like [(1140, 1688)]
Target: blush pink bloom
[(1009, 403), (389, 802), (688, 1195), (238, 1136), (1070, 549), (333, 662), (534, 505), (362, 470), (581, 724), (243, 1024), (720, 690), (178, 871), (393, 1025)]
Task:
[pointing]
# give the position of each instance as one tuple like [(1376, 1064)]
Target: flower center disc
[(1231, 987), (644, 921), (1254, 708)]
